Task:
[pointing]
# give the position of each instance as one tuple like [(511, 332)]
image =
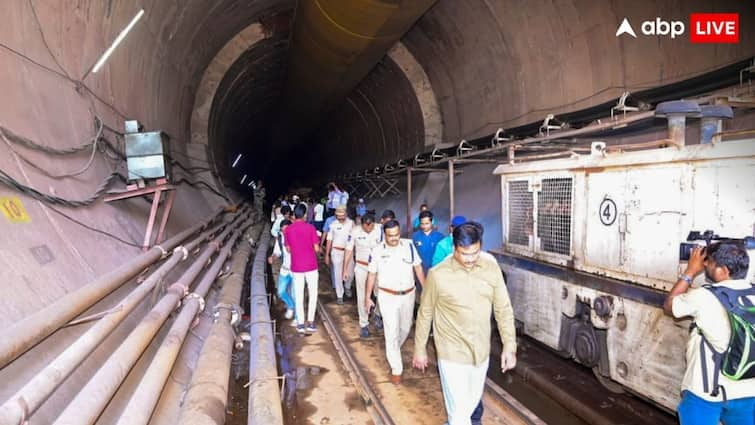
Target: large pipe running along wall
[(142, 402), (89, 403), (25, 334), (264, 394), (207, 394), (26, 400)]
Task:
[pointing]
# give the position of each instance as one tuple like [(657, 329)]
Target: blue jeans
[(284, 290), (694, 410), (477, 414)]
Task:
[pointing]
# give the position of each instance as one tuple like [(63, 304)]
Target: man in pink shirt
[(304, 245)]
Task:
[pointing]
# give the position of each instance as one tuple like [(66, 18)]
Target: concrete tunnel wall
[(490, 64)]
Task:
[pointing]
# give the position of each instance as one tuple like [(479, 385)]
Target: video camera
[(708, 239)]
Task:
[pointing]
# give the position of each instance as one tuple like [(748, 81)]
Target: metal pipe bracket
[(236, 312), (199, 298), (164, 254), (183, 250)]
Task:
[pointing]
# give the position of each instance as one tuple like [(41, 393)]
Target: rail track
[(378, 395)]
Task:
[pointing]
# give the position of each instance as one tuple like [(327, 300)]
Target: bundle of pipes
[(89, 403), (207, 394), (143, 402), (33, 329), (24, 402)]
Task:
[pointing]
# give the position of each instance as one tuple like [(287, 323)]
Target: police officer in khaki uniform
[(392, 267), (363, 238), (338, 237)]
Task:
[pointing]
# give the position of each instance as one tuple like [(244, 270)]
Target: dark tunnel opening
[(262, 126)]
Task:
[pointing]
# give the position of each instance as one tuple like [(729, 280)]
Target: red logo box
[(714, 27)]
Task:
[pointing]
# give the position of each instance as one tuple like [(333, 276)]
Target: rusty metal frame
[(157, 191)]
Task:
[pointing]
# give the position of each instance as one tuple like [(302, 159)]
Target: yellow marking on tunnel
[(350, 32), (13, 210)]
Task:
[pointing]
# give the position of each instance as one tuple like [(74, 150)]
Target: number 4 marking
[(607, 212)]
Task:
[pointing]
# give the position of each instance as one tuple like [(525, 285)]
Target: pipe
[(207, 394), (38, 326), (264, 394), (89, 403), (143, 401), (31, 396)]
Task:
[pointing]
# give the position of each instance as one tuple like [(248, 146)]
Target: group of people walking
[(457, 286)]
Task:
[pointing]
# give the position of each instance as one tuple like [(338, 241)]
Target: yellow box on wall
[(13, 210)]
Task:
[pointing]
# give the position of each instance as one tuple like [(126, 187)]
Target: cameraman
[(726, 265)]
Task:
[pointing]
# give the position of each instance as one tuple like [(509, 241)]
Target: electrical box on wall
[(146, 153)]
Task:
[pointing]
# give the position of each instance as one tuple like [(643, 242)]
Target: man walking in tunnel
[(285, 214), (363, 238), (458, 299), (302, 242), (425, 240), (259, 197), (284, 274), (334, 199), (338, 237), (392, 267), (445, 247)]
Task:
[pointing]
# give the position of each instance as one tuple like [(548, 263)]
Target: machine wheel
[(607, 383)]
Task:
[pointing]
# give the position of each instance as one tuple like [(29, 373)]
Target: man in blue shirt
[(425, 239), (361, 208), (415, 223), (446, 245)]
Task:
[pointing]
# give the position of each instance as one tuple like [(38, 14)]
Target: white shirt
[(276, 226), (283, 254), (712, 320), (394, 265), (339, 232), (362, 243), (334, 198), (319, 210)]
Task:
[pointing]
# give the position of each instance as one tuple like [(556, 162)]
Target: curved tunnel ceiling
[(490, 64)]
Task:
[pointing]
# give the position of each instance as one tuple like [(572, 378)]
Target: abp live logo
[(714, 27), (705, 28)]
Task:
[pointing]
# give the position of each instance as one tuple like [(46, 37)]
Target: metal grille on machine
[(554, 215), (520, 213)]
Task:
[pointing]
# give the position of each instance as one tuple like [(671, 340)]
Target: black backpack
[(737, 362)]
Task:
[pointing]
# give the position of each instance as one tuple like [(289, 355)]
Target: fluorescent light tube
[(117, 41)]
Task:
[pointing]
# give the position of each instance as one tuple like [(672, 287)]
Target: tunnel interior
[(480, 74), (303, 90)]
